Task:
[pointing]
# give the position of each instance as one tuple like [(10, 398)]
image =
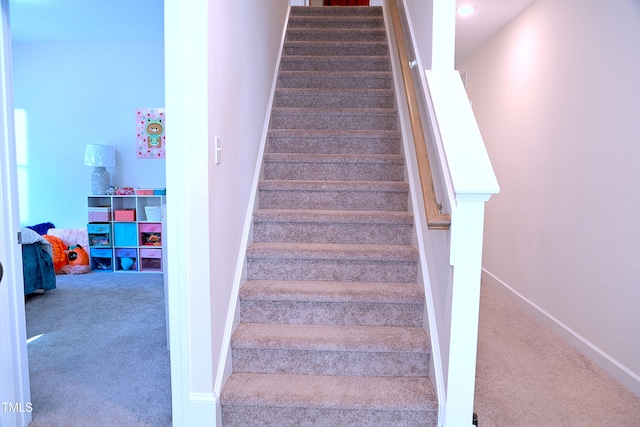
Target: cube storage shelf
[(126, 233)]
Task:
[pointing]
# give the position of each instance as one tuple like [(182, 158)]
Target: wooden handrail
[(436, 220)]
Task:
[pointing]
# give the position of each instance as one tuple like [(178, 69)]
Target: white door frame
[(15, 394)]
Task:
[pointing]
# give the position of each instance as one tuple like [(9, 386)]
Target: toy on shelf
[(125, 191)]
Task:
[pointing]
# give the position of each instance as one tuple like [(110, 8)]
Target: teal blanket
[(37, 267)]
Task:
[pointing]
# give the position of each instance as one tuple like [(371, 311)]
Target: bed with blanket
[(37, 262)]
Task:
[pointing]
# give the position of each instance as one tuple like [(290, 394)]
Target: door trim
[(14, 364)]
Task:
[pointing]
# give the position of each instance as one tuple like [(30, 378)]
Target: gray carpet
[(102, 359), (528, 376)]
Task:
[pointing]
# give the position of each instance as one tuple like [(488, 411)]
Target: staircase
[(331, 330)]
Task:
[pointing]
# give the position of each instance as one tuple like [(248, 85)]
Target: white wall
[(245, 39), (556, 97), (420, 15), (74, 94), (220, 63)]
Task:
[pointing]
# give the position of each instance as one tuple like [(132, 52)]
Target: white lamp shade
[(100, 155)]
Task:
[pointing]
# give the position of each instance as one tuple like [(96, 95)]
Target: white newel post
[(473, 182), (467, 230)]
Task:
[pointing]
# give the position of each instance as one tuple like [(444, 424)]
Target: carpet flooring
[(528, 376), (100, 357), (110, 375)]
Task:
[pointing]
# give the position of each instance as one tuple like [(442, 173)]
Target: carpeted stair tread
[(354, 21), (347, 195), (340, 134), (333, 48), (334, 118), (317, 291), (345, 167), (331, 337), (336, 79), (322, 141), (343, 10), (333, 92), (332, 303), (334, 63), (363, 112), (325, 391), (334, 98), (330, 34), (345, 186), (333, 226), (333, 216), (345, 75), (334, 158), (331, 251)]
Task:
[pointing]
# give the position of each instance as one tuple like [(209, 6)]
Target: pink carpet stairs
[(331, 330)]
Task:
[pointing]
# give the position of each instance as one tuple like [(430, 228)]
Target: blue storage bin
[(101, 259), (125, 234)]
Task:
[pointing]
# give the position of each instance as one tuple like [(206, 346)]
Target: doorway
[(25, 58)]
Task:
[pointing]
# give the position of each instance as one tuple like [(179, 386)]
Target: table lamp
[(100, 157)]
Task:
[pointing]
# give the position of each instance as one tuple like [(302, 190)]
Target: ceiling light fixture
[(466, 10)]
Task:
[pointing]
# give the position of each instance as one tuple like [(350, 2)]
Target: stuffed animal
[(68, 259), (76, 255), (78, 260), (59, 252)]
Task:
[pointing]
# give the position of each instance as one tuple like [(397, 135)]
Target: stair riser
[(326, 121), (293, 232), (334, 200), (261, 416), (333, 145), (335, 49), (331, 313), (333, 100), (355, 63), (301, 11), (333, 81), (335, 22), (349, 363), (332, 270), (334, 171), (336, 35)]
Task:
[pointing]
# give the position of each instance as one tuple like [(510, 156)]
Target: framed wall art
[(150, 127)]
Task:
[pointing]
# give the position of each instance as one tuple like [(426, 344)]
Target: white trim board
[(200, 410), (14, 362), (614, 368)]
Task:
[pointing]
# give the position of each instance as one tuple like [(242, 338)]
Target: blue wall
[(78, 93)]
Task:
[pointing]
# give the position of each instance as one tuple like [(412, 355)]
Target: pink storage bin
[(150, 234), (150, 259), (99, 215), (150, 253), (125, 215)]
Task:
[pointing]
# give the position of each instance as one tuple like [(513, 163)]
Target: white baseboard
[(614, 368), (200, 410)]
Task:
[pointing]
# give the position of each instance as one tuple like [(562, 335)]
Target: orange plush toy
[(77, 255), (68, 259), (59, 252), (78, 261)]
